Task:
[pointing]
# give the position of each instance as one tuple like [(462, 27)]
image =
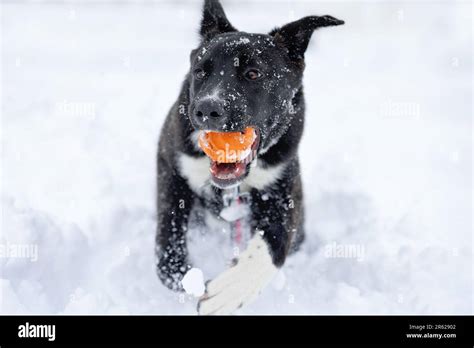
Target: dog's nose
[(210, 114), (209, 109)]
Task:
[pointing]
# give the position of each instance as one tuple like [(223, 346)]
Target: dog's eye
[(199, 74), (253, 74)]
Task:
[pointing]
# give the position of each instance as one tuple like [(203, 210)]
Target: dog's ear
[(295, 36), (214, 20)]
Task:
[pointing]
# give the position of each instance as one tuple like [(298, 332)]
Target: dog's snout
[(217, 114), (209, 108)]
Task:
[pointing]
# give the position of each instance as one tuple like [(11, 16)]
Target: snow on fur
[(386, 168)]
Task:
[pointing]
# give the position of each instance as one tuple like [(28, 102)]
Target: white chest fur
[(196, 172), (260, 177)]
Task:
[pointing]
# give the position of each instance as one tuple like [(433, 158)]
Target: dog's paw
[(240, 284)]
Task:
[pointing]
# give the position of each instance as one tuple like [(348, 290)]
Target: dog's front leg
[(277, 214), (175, 200)]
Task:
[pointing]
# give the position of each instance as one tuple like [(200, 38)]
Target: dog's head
[(239, 80)]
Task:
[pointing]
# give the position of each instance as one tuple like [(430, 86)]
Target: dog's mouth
[(227, 174), (228, 166)]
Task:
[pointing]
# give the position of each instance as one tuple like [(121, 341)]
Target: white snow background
[(386, 155)]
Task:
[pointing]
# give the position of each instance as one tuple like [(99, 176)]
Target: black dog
[(236, 80)]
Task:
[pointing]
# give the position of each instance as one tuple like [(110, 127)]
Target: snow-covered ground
[(386, 155)]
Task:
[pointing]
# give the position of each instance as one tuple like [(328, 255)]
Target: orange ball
[(227, 147)]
